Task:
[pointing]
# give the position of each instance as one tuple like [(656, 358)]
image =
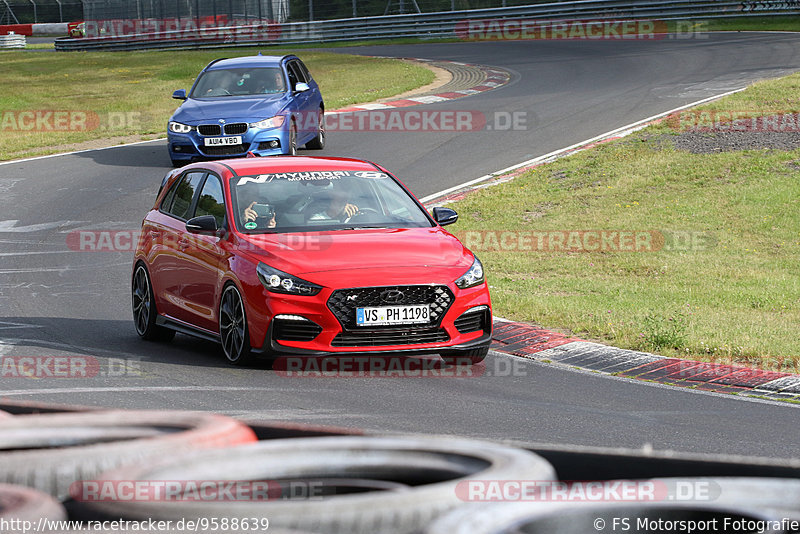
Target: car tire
[(292, 139), (51, 452), (318, 143), (401, 483), (144, 309), (233, 331), (472, 357), (26, 504)]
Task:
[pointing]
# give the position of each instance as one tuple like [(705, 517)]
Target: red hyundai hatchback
[(306, 256)]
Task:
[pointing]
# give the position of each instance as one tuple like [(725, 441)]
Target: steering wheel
[(362, 212)]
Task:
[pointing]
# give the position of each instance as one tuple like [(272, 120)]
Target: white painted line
[(622, 131), (79, 151)]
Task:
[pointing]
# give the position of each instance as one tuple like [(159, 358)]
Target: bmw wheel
[(233, 327), (293, 139), (318, 143), (144, 308)]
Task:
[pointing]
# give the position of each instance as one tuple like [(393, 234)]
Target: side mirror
[(445, 216), (301, 87), (205, 224), (180, 94)]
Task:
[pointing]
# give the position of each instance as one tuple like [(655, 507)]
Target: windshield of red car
[(323, 200)]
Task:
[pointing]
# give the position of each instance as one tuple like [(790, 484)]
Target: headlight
[(177, 127), (281, 282), (272, 122), (473, 276)]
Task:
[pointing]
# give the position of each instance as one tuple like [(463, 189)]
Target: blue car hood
[(230, 108)]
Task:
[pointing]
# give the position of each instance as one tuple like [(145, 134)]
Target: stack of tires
[(72, 465)]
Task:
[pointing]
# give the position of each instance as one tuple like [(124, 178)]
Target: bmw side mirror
[(204, 224), (180, 94), (445, 216), (301, 87)]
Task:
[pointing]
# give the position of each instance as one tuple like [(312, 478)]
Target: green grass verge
[(723, 285), (130, 93)]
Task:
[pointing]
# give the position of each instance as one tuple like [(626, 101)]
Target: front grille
[(235, 128), (471, 321), (209, 129), (343, 302), (295, 330), (227, 150), (407, 336)]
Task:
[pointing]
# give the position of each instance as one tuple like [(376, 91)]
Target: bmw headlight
[(177, 127), (281, 282), (473, 276), (272, 122)]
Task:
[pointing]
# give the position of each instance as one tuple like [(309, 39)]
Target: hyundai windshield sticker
[(309, 176)]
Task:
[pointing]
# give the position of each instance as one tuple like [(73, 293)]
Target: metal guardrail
[(451, 24), (12, 41)]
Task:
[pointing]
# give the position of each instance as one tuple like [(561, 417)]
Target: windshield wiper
[(364, 228)]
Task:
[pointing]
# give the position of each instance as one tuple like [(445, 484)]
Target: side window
[(292, 76), (178, 201), (304, 70), (296, 73), (212, 200)]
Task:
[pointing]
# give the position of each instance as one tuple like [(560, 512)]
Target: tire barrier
[(631, 518), (360, 484), (50, 452), (26, 504)]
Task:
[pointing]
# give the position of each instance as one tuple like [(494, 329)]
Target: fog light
[(273, 144)]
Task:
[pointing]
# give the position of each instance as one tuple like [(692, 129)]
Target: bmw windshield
[(239, 82), (323, 200)]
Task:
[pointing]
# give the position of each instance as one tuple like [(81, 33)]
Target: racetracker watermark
[(734, 121), (128, 240), (407, 120), (592, 30), (373, 366), (39, 120), (601, 491), (199, 490), (40, 367), (204, 28), (391, 366), (586, 240)]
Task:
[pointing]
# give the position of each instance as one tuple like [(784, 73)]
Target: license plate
[(387, 315), (222, 141)]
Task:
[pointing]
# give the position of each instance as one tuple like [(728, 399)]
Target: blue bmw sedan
[(267, 105)]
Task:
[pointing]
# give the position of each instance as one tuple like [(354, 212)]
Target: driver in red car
[(333, 205)]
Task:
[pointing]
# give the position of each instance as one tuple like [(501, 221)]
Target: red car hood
[(365, 257)]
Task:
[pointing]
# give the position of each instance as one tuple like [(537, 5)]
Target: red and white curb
[(494, 78), (55, 28), (528, 341)]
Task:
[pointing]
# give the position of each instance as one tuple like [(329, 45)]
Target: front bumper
[(191, 146), (449, 335)]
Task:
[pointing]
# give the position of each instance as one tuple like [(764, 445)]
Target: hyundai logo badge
[(392, 296)]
